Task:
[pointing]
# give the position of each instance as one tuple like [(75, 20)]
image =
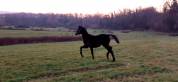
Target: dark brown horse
[(91, 41)]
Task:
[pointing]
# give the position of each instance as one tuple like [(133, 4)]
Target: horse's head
[(80, 30)]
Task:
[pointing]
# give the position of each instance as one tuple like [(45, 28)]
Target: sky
[(76, 6)]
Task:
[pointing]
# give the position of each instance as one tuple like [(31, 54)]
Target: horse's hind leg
[(107, 55), (92, 53), (109, 48)]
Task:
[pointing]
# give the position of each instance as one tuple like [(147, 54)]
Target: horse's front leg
[(92, 53), (81, 50)]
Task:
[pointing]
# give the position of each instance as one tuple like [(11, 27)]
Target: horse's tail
[(115, 38)]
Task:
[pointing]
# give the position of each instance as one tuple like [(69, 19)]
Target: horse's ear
[(80, 26)]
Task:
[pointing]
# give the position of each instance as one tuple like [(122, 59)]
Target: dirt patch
[(25, 40)]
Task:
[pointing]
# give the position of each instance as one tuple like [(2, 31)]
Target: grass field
[(141, 57)]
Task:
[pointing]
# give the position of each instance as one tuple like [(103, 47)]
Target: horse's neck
[(85, 34), (86, 37)]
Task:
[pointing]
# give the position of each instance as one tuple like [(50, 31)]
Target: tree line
[(138, 19)]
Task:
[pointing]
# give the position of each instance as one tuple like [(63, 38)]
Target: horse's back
[(104, 38), (97, 40)]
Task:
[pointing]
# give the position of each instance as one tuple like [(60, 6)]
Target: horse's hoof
[(113, 60)]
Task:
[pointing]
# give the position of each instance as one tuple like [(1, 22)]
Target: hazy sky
[(75, 6)]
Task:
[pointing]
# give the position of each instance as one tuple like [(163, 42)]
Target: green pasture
[(140, 57)]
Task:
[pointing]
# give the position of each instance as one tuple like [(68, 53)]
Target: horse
[(94, 41)]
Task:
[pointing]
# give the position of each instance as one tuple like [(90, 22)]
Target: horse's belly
[(97, 45)]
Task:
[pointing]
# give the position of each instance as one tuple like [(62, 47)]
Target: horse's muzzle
[(76, 33)]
